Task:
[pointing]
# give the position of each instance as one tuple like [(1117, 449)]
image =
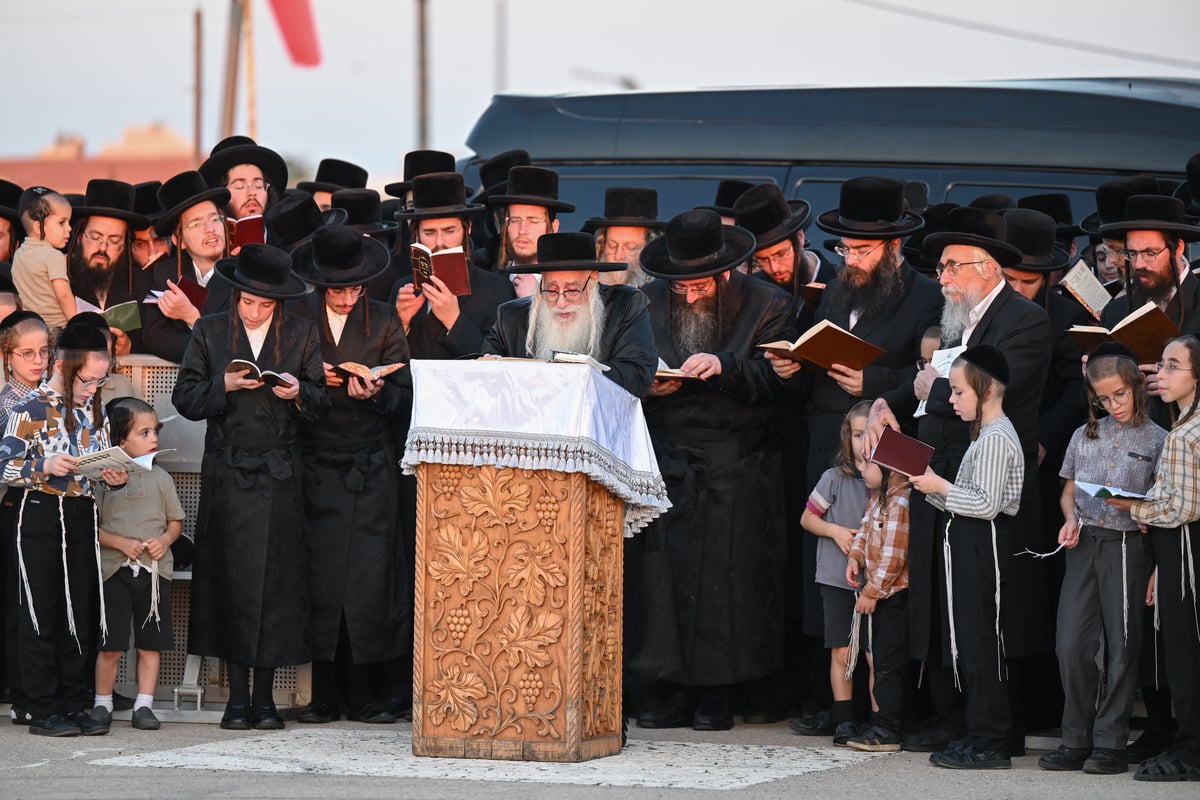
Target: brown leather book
[(826, 344), (901, 453), (450, 267), (1145, 332), (247, 230)]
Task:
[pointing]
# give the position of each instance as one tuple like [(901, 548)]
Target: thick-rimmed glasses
[(1142, 255)]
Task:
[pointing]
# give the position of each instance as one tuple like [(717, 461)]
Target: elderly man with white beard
[(571, 311)]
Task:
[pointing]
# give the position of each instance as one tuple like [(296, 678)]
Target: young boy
[(39, 268)]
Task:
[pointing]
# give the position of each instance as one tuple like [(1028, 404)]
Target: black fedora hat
[(1035, 234), (363, 210), (935, 217), (695, 245), (871, 208), (764, 211), (565, 252), (180, 193), (531, 186), (997, 201), (263, 271), (333, 174), (109, 198), (234, 150), (145, 200), (418, 163), (1110, 200), (1153, 212), (337, 256), (631, 206), (439, 194), (1058, 206), (293, 219), (975, 227), (728, 191), (493, 173), (10, 197), (1189, 190)]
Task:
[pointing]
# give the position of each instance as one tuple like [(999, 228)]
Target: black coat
[(428, 337), (168, 338), (249, 589), (128, 283), (711, 593), (627, 346), (803, 310)]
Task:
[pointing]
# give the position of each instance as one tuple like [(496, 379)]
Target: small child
[(1106, 565), (985, 496), (880, 549), (931, 342), (834, 512), (39, 268), (138, 524)]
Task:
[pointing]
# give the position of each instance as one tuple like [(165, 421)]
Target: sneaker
[(1065, 759), (101, 715), (1104, 761), (144, 720), (967, 756), (875, 740), (53, 725), (88, 725), (844, 732), (19, 715)]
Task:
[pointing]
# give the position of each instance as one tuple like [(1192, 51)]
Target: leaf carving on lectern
[(525, 637), (495, 500), (453, 694), (533, 570), (460, 557)]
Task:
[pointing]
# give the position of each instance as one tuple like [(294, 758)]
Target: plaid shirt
[(35, 431), (1174, 499), (881, 543)]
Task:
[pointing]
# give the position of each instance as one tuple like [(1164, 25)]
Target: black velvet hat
[(695, 245), (337, 256), (870, 208), (728, 191), (416, 164), (989, 359), (764, 211), (1189, 190), (565, 252), (82, 335), (1110, 200), (109, 198), (993, 202), (1036, 235), (1058, 206), (10, 197), (333, 174), (233, 150), (1153, 212), (293, 219), (264, 271), (631, 206), (1111, 350), (531, 186), (493, 173), (439, 194), (145, 201), (182, 192), (974, 227), (935, 217), (363, 210)]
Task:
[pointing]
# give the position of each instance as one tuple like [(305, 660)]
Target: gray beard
[(694, 327), (581, 335), (956, 315)]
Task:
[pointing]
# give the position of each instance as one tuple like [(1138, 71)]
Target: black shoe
[(677, 711), (374, 713), (821, 723), (933, 740), (87, 724), (968, 757), (875, 739), (401, 707), (1065, 759), (236, 717), (143, 719), (1148, 745), (266, 717), (318, 714), (19, 715), (844, 732), (1105, 761), (53, 725), (121, 702), (763, 715), (715, 711), (102, 715)]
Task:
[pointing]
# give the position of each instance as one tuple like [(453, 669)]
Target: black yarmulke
[(1112, 349), (20, 315), (988, 359), (82, 336)]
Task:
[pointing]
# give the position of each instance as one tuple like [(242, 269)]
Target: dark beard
[(93, 281), (868, 293), (694, 326), (1158, 291)]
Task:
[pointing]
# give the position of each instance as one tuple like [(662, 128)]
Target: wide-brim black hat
[(145, 200), (180, 193), (996, 201), (765, 212), (871, 208), (1110, 200), (363, 209), (627, 206), (696, 245), (263, 271), (109, 198), (10, 197), (531, 186), (935, 217), (1058, 206), (231, 151), (567, 252), (439, 194), (333, 174), (295, 218), (1153, 212), (728, 191), (493, 173), (974, 227), (1035, 235), (338, 256), (416, 164)]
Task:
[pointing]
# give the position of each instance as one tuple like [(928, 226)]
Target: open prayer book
[(942, 361), (1105, 492), (92, 464), (269, 377), (826, 344), (671, 373), (247, 230), (448, 266), (195, 293), (123, 316), (1086, 288), (559, 357), (367, 373), (1145, 332)]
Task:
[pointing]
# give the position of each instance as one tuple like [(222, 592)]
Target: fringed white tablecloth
[(536, 415)]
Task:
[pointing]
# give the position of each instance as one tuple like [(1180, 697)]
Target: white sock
[(143, 701), (104, 700)]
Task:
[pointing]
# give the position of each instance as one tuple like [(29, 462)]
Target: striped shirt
[(35, 431), (1175, 496), (881, 543), (990, 477), (1122, 456)]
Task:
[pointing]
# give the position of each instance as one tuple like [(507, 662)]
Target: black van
[(960, 141)]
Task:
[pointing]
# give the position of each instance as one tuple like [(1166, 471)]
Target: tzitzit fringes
[(21, 565), (1000, 665), (1154, 595), (99, 571), (1124, 589), (1185, 557), (62, 526), (950, 603), (154, 597), (855, 641)]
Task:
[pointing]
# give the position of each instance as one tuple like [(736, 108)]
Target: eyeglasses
[(612, 247), (689, 289), (98, 238), (572, 295), (785, 255), (858, 252), (1112, 255), (1118, 399), (141, 244), (1143, 255), (33, 355), (1168, 367), (527, 222), (953, 267), (92, 382), (204, 222), (258, 185)]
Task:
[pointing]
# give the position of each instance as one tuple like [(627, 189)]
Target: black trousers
[(890, 658), (53, 661), (1177, 615), (9, 604)]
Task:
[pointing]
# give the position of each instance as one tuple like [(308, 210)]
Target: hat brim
[(1188, 233), (1005, 254), (1058, 259), (274, 168), (907, 224), (319, 186), (567, 266), (436, 212), (400, 190), (529, 200), (596, 223), (10, 214), (166, 223), (335, 216), (1091, 224), (376, 259), (293, 289), (724, 211), (794, 223), (656, 257), (135, 221)]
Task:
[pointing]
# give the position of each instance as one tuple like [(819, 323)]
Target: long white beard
[(581, 334), (956, 315)]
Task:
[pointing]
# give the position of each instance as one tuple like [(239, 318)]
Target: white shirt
[(979, 310), (257, 336), (203, 278), (337, 323)]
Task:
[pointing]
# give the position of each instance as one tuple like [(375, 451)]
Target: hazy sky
[(91, 67)]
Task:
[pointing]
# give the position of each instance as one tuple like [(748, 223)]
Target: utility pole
[(422, 76), (501, 45), (251, 94), (198, 88), (233, 46)]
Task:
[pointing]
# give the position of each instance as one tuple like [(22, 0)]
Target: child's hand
[(852, 573), (289, 392), (1150, 587), (930, 483), (1068, 534), (114, 477), (156, 548), (132, 548), (61, 465), (844, 538), (1120, 503), (865, 605)]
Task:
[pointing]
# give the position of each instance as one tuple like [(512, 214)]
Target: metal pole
[(501, 45), (251, 94), (422, 76), (198, 88), (233, 46)]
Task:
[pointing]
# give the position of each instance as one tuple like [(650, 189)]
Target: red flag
[(299, 31)]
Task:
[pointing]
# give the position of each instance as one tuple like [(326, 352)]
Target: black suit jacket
[(428, 337), (168, 338)]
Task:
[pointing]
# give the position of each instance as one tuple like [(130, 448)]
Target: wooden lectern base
[(517, 630)]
